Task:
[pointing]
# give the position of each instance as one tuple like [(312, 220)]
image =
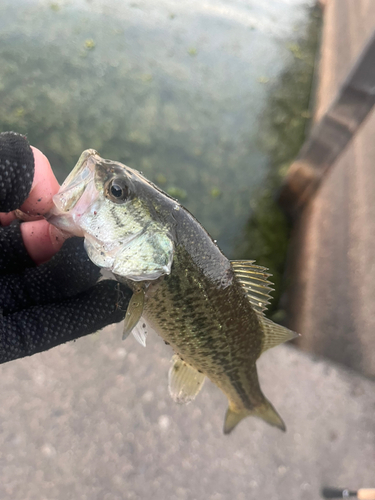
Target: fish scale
[(221, 344)]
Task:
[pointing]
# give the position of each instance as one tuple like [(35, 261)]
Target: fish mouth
[(76, 182), (72, 191)]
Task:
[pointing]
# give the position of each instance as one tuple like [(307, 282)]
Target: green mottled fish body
[(204, 314), (208, 309)]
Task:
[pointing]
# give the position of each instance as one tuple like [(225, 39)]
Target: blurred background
[(211, 100)]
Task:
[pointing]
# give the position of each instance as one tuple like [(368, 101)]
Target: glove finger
[(69, 272), (13, 254), (16, 170), (41, 327)]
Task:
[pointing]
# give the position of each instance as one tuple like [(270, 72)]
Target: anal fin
[(184, 381)]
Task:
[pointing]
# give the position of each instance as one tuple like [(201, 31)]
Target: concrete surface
[(93, 420), (332, 264)]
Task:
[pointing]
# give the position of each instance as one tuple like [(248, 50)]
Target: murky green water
[(183, 91)]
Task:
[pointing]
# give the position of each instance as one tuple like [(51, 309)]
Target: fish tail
[(265, 411), (268, 413), (233, 417)]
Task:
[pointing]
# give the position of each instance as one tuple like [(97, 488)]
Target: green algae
[(89, 44), (176, 192), (215, 192)]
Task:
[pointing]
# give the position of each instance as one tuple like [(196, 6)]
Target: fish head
[(126, 221)]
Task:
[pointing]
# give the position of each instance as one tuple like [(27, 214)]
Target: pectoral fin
[(140, 333), (134, 312), (184, 381)]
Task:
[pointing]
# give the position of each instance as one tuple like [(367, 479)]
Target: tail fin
[(232, 418), (266, 412)]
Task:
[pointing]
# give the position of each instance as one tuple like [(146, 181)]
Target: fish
[(210, 310)]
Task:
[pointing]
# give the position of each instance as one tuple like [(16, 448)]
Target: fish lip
[(70, 193), (75, 184), (80, 166), (66, 225)]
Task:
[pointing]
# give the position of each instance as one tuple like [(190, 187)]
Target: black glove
[(44, 306)]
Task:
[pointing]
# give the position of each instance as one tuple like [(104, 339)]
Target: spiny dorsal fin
[(274, 334), (184, 381), (254, 279)]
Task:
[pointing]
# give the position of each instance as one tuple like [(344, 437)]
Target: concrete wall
[(331, 299)]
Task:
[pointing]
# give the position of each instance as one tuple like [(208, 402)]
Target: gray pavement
[(93, 420)]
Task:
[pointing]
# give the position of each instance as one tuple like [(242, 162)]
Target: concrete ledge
[(331, 298), (93, 419)]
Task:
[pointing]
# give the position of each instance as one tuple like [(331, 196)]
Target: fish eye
[(117, 190)]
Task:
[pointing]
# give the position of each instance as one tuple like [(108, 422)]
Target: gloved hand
[(60, 300)]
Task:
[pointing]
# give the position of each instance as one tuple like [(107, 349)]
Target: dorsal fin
[(274, 334), (254, 279)]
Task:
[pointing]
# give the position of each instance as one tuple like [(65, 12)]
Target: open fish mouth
[(77, 189)]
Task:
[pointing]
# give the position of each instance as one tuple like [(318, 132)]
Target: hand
[(41, 239), (42, 306)]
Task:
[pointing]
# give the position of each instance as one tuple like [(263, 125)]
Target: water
[(183, 91)]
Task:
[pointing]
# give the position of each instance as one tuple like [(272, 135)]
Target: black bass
[(210, 310)]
